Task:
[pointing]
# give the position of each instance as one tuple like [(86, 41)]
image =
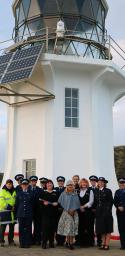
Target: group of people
[(76, 214)]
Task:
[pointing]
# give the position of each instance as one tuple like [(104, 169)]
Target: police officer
[(60, 188), (119, 202), (76, 180), (104, 219), (36, 237), (43, 182), (7, 216), (24, 208), (93, 181), (61, 181), (19, 178)]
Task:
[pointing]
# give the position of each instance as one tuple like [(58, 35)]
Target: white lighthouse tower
[(60, 85)]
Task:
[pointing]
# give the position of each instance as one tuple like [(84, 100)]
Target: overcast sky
[(115, 24)]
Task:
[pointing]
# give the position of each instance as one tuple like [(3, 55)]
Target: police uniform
[(103, 204), (36, 237), (60, 239), (24, 208), (49, 217), (119, 201), (43, 182), (99, 240), (19, 178), (7, 216), (59, 189)]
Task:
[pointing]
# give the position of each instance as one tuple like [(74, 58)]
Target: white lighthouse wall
[(72, 146), (88, 149), (40, 132)]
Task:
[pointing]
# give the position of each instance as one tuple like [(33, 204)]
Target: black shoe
[(106, 247), (2, 244), (12, 243), (71, 247), (102, 247), (51, 245), (44, 245), (67, 245)]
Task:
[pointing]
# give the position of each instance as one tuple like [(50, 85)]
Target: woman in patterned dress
[(68, 223)]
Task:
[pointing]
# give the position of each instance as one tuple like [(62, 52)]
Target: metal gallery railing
[(103, 42)]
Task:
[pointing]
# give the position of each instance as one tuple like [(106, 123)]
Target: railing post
[(47, 39), (109, 47)]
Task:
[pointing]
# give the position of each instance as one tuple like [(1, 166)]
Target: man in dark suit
[(93, 181), (119, 202), (36, 237), (61, 181)]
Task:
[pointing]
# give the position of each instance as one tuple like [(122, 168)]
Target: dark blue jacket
[(24, 204), (36, 195), (59, 190), (119, 198)]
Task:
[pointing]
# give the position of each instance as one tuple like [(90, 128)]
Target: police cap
[(19, 176), (93, 177), (121, 180), (102, 179), (33, 178), (43, 180), (60, 178), (24, 181)]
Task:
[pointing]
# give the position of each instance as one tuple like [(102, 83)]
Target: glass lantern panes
[(82, 18)]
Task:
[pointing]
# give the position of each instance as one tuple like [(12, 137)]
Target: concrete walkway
[(59, 251)]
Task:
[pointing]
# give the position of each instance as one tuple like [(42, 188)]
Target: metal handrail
[(107, 43)]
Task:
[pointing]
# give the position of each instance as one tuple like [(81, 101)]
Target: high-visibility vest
[(6, 198)]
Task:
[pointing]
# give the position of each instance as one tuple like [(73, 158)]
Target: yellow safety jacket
[(7, 203)]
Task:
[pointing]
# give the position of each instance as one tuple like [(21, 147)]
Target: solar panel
[(2, 68), (34, 50), (21, 65), (15, 65), (17, 75), (5, 58)]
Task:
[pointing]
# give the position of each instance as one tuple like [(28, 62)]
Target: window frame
[(71, 108), (32, 171)]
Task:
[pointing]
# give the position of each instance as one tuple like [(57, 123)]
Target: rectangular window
[(29, 167), (71, 107)]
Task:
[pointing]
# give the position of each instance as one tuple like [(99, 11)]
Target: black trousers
[(25, 231), (121, 227), (36, 237), (85, 232), (99, 237), (48, 229), (10, 234)]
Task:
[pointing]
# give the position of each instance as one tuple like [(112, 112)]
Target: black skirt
[(104, 224)]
